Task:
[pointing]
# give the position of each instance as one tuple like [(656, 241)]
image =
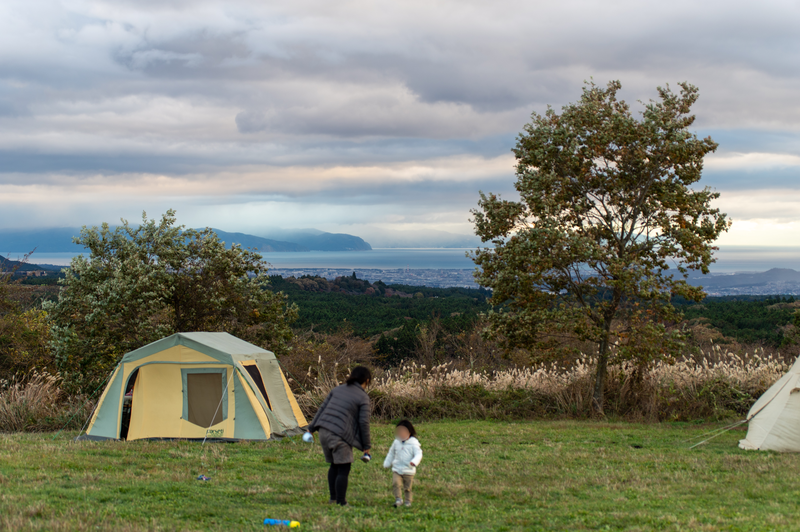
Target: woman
[(343, 423)]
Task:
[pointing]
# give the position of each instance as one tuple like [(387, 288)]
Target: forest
[(369, 309)]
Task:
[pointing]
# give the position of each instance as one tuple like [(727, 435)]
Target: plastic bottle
[(278, 522)]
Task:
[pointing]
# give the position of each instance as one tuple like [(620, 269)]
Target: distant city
[(435, 278)]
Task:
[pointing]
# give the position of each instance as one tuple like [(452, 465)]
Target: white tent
[(775, 418)]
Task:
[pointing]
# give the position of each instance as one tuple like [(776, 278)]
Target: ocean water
[(730, 259)]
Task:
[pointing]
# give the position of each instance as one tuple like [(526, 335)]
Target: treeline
[(391, 315), (756, 320)]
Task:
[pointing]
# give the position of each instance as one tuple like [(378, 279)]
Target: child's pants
[(401, 485)]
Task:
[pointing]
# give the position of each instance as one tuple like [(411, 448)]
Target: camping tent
[(775, 418), (195, 386)]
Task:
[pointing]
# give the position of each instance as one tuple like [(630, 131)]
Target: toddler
[(404, 457)]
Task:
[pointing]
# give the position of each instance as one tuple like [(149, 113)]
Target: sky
[(359, 116)]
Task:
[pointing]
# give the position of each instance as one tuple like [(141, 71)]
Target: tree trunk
[(600, 376)]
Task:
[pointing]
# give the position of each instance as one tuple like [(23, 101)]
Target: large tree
[(141, 283), (608, 211)]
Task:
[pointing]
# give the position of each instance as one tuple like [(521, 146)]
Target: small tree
[(141, 283), (606, 206)]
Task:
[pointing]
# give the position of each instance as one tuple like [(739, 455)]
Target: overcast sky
[(343, 115)]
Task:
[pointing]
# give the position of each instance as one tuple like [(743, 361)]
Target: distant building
[(31, 273)]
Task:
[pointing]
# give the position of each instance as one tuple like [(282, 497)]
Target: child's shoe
[(407, 504), (398, 502)]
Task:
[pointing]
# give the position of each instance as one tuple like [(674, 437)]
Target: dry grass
[(715, 385), (37, 403)]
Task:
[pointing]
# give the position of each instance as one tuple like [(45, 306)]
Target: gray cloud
[(92, 92)]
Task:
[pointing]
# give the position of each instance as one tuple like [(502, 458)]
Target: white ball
[(307, 437)]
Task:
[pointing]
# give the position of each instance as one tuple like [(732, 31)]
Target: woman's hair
[(359, 375), (407, 424)]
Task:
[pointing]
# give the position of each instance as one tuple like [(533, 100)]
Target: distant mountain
[(298, 240), (59, 240), (331, 242), (386, 238), (259, 243), (774, 281)]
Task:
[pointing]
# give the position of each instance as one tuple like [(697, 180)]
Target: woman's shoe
[(398, 503)]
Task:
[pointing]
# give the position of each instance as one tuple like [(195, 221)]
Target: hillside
[(9, 265), (369, 309)]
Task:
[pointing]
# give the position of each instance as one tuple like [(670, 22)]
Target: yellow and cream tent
[(195, 386)]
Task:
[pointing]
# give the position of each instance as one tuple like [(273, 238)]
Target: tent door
[(127, 405), (255, 374)]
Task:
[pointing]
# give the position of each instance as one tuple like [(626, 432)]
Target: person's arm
[(417, 455), (387, 463), (363, 423), (312, 427)]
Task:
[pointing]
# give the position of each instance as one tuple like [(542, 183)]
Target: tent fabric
[(774, 420), (197, 386)]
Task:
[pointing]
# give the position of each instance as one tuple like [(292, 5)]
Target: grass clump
[(37, 403)]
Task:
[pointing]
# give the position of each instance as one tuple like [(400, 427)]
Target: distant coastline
[(740, 270)]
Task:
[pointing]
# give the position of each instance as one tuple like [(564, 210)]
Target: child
[(404, 457)]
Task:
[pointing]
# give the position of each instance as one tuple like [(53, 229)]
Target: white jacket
[(401, 454)]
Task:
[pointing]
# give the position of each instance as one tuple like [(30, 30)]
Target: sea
[(730, 259)]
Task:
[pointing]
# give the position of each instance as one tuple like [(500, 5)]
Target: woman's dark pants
[(339, 454), (337, 482)]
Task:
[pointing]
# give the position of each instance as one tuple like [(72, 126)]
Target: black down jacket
[(345, 413)]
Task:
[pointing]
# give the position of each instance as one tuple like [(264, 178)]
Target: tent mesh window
[(204, 395), (256, 375)]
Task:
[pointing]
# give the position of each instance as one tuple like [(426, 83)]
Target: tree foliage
[(24, 332), (141, 283), (606, 207)]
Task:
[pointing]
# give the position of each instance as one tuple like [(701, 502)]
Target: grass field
[(475, 476)]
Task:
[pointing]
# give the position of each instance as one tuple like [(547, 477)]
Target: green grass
[(476, 475)]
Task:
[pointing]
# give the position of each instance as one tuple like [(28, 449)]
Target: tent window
[(256, 375), (204, 398)]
